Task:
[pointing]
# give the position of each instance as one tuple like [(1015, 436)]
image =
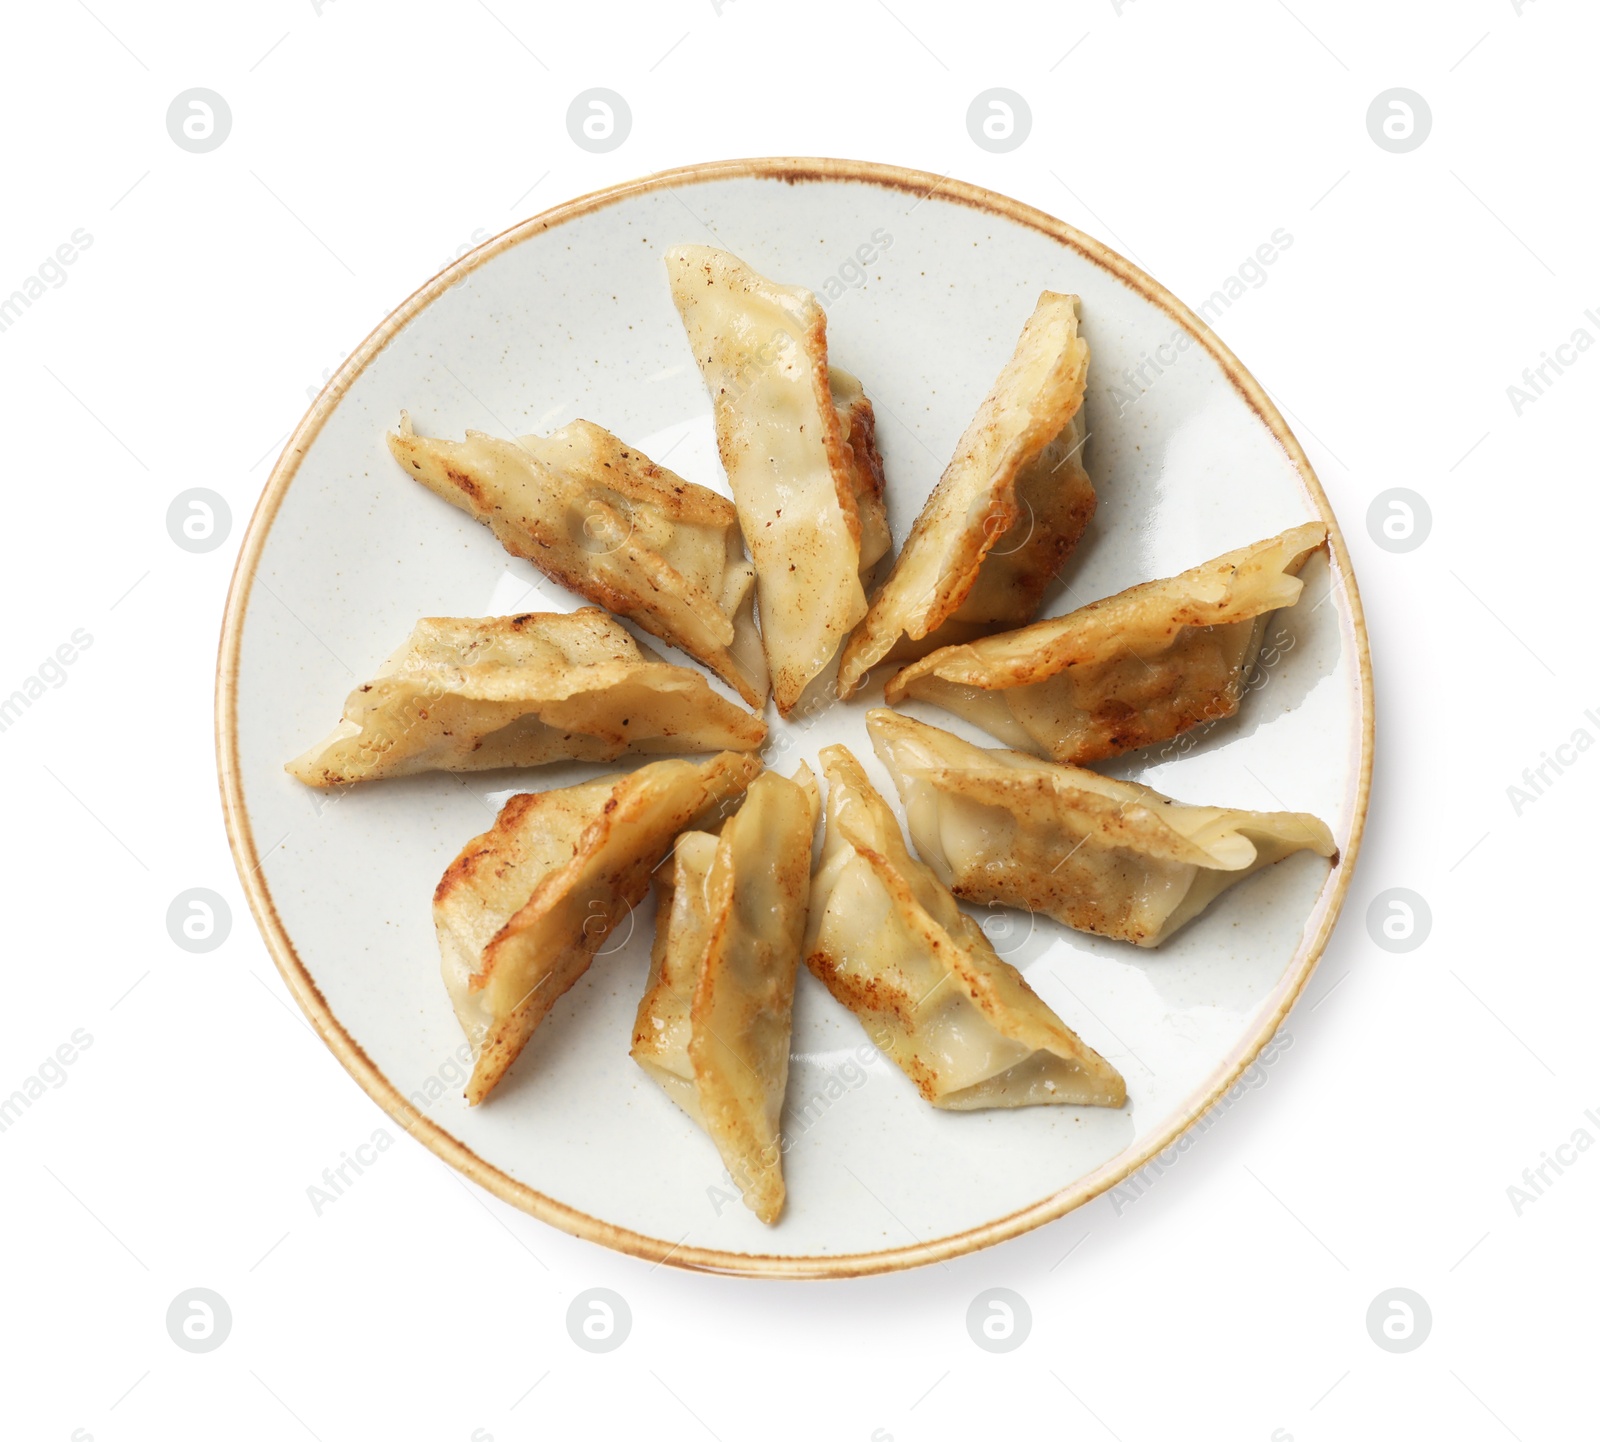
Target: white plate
[(568, 315)]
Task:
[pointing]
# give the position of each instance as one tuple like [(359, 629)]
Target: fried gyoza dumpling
[(467, 694), (523, 909), (1111, 857), (1008, 510), (613, 526), (886, 937), (713, 1024), (797, 444), (1136, 668)]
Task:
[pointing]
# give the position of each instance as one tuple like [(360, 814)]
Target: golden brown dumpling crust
[(796, 441), (1100, 855), (713, 1025), (1136, 668), (886, 937), (472, 694), (1008, 510), (521, 912)]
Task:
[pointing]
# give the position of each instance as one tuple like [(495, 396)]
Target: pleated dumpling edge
[(887, 938), (1100, 855)]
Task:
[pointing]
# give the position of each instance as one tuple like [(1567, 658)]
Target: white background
[(368, 146)]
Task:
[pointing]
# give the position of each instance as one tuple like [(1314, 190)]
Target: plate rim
[(248, 863)]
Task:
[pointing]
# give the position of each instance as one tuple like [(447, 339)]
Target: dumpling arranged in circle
[(797, 441), (1139, 667), (713, 1023), (1112, 857), (472, 694), (887, 938), (1009, 509)]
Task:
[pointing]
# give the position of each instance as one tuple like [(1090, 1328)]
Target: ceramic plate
[(927, 283)]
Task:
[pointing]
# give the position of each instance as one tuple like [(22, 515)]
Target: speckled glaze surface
[(568, 315)]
